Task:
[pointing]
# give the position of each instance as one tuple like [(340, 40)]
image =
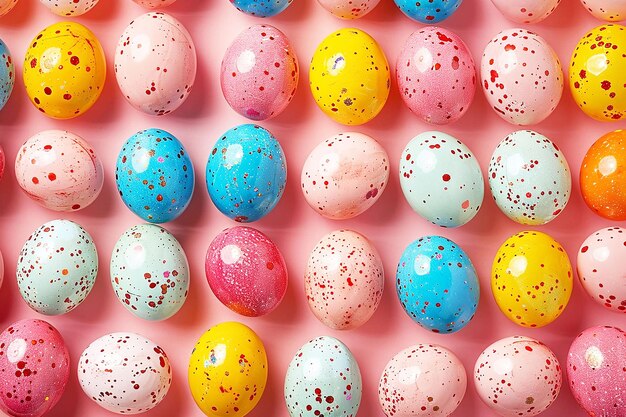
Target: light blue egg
[(7, 74), (428, 11), (261, 8), (246, 173), (154, 176), (437, 284)]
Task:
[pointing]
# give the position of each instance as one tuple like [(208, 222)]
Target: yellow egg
[(64, 70), (531, 279), (349, 77), (598, 73), (228, 370)]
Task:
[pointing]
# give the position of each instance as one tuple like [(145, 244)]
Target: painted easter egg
[(69, 8), (154, 4), (149, 272), (611, 11), (154, 175), (436, 75), (64, 70), (522, 77), (246, 271), (155, 63), (529, 178), (261, 8), (344, 280), (246, 173), (323, 378), (59, 170), (7, 73), (34, 368), (441, 179), (431, 11), (526, 11), (345, 175), (437, 284), (422, 381), (603, 176), (349, 77), (234, 355), (125, 373), (517, 376), (6, 6), (349, 9)]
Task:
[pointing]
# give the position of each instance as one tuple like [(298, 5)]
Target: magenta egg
[(526, 11), (246, 271), (436, 75), (34, 368)]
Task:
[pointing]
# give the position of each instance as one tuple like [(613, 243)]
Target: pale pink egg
[(526, 11), (349, 9), (6, 6), (609, 10), (154, 4), (67, 8)]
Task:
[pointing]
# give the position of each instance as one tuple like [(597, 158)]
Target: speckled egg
[(601, 267), (436, 75), (246, 271), (349, 9), (323, 378), (596, 366), (154, 4), (125, 373), (529, 178), (526, 11), (64, 70), (431, 11), (154, 175), (345, 175), (149, 272), (57, 267), (261, 8), (246, 173), (518, 376), (6, 6), (522, 77), (155, 63), (34, 368), (441, 179), (59, 170), (69, 8), (611, 10), (422, 381), (7, 74), (344, 280), (234, 355), (437, 284), (349, 77)]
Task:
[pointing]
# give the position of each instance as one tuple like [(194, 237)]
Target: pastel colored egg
[(259, 73), (125, 373), (437, 284), (6, 6), (155, 176), (529, 178), (436, 75), (7, 74), (64, 70), (611, 11), (349, 9), (531, 279), (344, 280), (149, 272), (522, 77), (246, 173), (518, 376), (526, 11), (349, 77), (155, 63), (234, 355), (154, 4), (67, 8), (441, 179), (59, 170), (57, 267), (601, 267), (261, 8), (246, 271), (595, 370), (34, 368), (603, 176), (422, 381), (323, 378), (345, 175), (431, 11)]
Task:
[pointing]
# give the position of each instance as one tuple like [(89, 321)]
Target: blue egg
[(261, 8), (246, 173), (7, 74), (428, 11), (437, 284), (154, 176)]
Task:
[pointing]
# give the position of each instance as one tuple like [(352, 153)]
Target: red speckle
[(446, 177), (606, 85), (350, 283), (465, 204), (74, 60), (52, 176), (528, 348)]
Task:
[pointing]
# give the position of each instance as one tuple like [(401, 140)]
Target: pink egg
[(154, 4), (59, 170), (2, 162), (436, 75), (345, 175), (246, 271), (596, 369), (69, 8), (526, 11), (259, 72), (34, 368), (344, 280), (349, 9), (522, 77), (518, 376), (155, 63), (609, 10)]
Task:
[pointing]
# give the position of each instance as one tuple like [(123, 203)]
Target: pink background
[(296, 228)]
